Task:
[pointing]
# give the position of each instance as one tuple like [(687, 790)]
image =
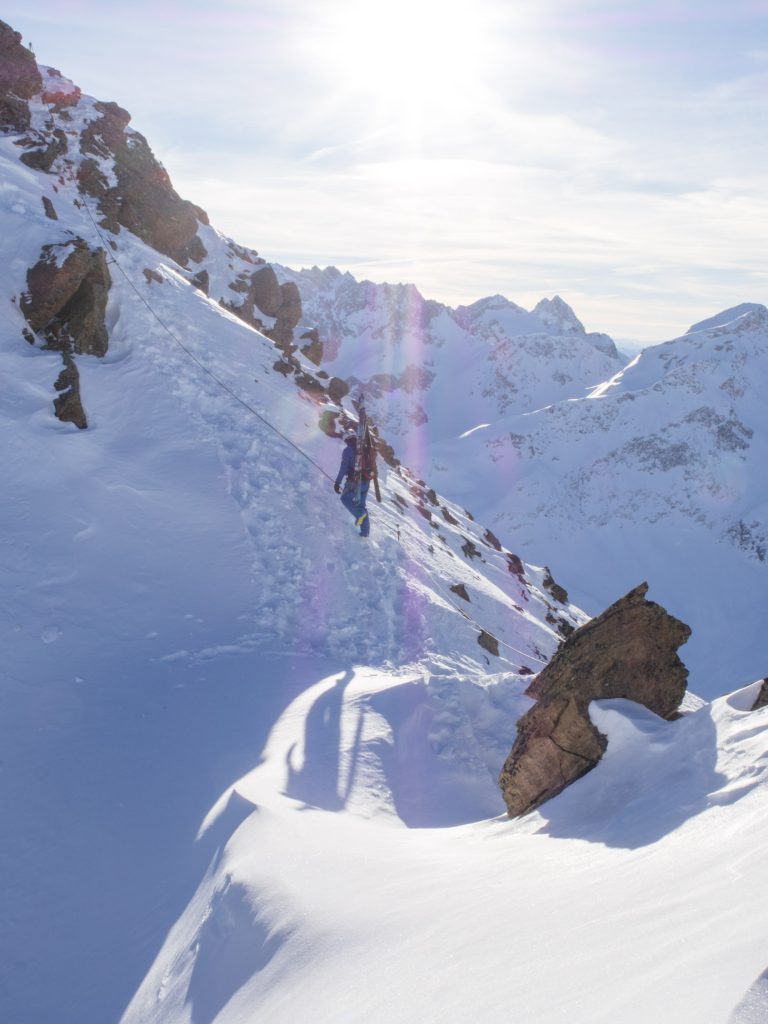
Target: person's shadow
[(316, 781)]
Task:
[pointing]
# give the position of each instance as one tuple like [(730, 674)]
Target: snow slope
[(603, 907), (248, 760), (173, 576)]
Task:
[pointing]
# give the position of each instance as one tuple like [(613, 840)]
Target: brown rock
[(50, 209), (337, 389), (42, 159), (202, 281), (18, 67), (19, 80), (289, 312), (68, 405), (282, 302), (629, 651), (515, 565), (762, 697), (66, 298), (489, 643), (66, 96), (144, 200), (313, 350), (492, 540), (559, 593), (470, 549), (265, 291)]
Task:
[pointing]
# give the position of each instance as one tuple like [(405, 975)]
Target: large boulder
[(263, 294), (66, 297), (264, 291), (629, 651), (20, 79)]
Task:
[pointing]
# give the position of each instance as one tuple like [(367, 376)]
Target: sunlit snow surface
[(248, 760)]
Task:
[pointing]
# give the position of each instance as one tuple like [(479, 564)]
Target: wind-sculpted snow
[(316, 912)]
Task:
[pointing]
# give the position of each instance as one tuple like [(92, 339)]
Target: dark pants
[(350, 501)]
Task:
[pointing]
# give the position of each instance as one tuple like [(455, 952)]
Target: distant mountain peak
[(556, 313), (728, 316), (490, 303)]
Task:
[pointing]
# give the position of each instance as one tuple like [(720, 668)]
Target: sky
[(608, 151)]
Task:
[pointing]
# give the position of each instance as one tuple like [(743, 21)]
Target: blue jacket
[(347, 467)]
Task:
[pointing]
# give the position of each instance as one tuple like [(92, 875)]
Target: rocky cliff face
[(629, 651), (143, 199), (19, 80)]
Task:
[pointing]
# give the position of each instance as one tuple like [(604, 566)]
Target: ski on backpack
[(369, 463), (362, 427)]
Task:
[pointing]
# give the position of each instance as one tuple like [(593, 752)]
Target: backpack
[(368, 461)]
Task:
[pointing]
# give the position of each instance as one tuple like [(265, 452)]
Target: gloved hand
[(337, 488)]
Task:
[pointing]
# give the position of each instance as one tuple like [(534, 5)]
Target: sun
[(423, 53)]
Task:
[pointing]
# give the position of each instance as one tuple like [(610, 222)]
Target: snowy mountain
[(658, 472), (249, 760), (430, 372)]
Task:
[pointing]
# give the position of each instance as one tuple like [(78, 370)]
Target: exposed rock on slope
[(19, 79), (143, 199), (629, 651), (762, 697), (264, 294), (65, 303), (66, 297)]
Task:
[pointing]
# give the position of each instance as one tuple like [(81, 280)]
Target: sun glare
[(420, 52)]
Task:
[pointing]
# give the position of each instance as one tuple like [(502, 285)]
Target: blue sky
[(614, 153)]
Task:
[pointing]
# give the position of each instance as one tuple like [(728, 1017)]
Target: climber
[(350, 498)]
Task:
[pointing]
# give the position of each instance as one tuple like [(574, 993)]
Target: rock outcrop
[(65, 303), (68, 404), (762, 697), (19, 80), (143, 200), (66, 297), (263, 294), (60, 93), (629, 651), (43, 157)]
